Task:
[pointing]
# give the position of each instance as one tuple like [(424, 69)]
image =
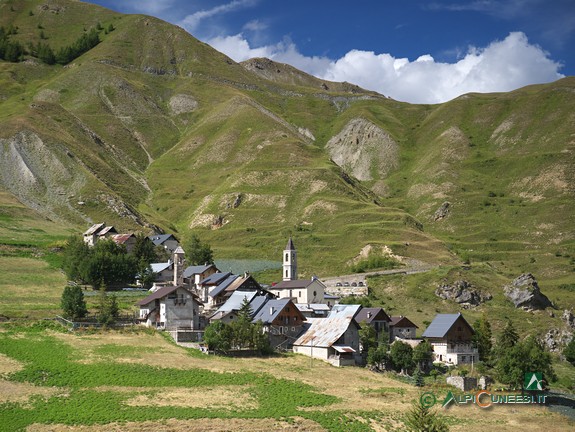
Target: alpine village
[(188, 243)]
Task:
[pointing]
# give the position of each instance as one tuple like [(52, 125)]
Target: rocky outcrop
[(463, 293), (556, 339), (364, 149), (442, 212), (524, 292), (569, 318)]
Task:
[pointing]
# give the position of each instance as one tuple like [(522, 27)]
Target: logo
[(486, 399), (448, 399), (533, 381), (427, 400)]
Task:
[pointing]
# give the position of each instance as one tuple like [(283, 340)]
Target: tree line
[(14, 51), (108, 265)]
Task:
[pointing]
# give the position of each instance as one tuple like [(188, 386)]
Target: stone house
[(170, 307), (401, 327), (97, 232)]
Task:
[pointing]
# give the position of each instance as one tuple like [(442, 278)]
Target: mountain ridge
[(155, 128)]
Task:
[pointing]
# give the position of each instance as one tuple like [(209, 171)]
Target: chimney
[(272, 310), (369, 314)]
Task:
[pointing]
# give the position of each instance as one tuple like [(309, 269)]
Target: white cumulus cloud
[(504, 65)]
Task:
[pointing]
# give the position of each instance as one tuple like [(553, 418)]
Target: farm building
[(334, 339)]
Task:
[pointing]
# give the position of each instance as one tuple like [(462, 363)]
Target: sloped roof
[(291, 284), (401, 321), (179, 250), (270, 310), (215, 279), (371, 314), (160, 267), (290, 245), (222, 284), (122, 238), (312, 307), (199, 269), (235, 301), (94, 229), (159, 239), (106, 230), (162, 292), (258, 302), (324, 332), (441, 325)]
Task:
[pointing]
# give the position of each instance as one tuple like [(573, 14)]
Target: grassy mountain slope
[(153, 127)]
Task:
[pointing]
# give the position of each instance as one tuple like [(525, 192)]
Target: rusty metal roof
[(324, 332), (122, 238)]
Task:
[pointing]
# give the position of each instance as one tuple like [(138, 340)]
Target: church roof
[(290, 245)]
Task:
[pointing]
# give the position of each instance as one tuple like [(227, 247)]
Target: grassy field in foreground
[(54, 380)]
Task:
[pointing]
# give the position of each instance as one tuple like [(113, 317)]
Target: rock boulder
[(524, 292)]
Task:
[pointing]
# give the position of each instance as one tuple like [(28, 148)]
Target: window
[(293, 329), (287, 257), (463, 359), (286, 273)]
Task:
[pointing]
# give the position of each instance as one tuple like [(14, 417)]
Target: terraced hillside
[(153, 128)]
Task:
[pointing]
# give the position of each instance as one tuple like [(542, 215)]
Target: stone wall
[(462, 383)]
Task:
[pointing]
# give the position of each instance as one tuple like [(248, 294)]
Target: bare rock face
[(364, 149), (442, 212), (556, 339), (463, 293), (569, 318), (524, 292)]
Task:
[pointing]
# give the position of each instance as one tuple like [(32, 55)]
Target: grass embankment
[(140, 380)]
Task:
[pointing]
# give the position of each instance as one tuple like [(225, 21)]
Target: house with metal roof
[(334, 339), (313, 310), (451, 337), (282, 321), (171, 308), (164, 271), (167, 241), (193, 275), (401, 327), (126, 240)]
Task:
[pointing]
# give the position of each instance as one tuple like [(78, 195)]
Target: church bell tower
[(290, 262)]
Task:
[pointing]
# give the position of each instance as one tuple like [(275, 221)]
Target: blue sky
[(411, 50)]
